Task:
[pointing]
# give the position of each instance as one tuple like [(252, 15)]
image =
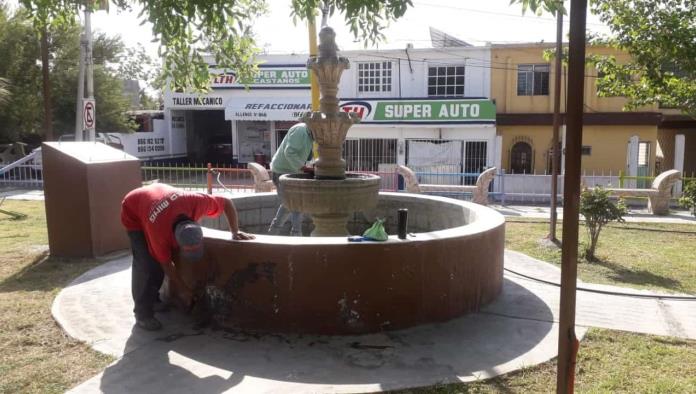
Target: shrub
[(598, 210), (688, 198)]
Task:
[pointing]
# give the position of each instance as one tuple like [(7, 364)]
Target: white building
[(421, 107)]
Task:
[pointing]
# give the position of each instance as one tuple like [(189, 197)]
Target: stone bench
[(479, 191), (262, 179), (658, 194)]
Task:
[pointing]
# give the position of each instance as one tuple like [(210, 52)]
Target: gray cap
[(189, 236)]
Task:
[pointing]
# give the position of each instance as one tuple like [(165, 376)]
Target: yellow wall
[(506, 58), (609, 145)]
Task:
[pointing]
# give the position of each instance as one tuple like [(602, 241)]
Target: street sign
[(88, 115)]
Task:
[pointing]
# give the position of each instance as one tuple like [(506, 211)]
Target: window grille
[(446, 81), (374, 77)]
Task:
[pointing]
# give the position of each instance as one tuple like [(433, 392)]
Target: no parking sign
[(88, 115)]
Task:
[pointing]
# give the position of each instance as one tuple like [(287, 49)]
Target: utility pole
[(79, 125), (555, 159), (47, 101), (86, 70), (89, 66), (567, 341)]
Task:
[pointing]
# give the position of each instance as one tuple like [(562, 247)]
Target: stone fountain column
[(331, 196), (329, 126)]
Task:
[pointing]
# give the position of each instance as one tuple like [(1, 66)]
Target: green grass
[(653, 256), (35, 355), (608, 362)]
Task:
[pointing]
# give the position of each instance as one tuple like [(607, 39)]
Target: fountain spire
[(329, 126)]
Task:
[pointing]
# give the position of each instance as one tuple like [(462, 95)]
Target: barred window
[(446, 81), (533, 80), (374, 77)]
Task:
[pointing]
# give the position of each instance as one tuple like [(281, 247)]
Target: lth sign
[(287, 76)]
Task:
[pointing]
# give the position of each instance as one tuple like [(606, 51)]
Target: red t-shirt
[(155, 208)]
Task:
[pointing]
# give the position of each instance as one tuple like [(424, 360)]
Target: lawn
[(608, 362), (35, 355), (642, 255)]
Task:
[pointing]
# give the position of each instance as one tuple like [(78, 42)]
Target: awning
[(267, 108)]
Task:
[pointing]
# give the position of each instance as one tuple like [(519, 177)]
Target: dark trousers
[(147, 276)]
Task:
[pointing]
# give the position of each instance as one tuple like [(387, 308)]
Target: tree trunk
[(46, 85)]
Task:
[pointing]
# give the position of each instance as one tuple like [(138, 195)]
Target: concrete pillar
[(632, 160), (563, 144), (679, 146), (274, 137), (401, 151), (235, 141), (498, 152)]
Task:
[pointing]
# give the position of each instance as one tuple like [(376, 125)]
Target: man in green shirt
[(290, 158)]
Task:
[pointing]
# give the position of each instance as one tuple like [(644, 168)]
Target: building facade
[(640, 142), (427, 108)]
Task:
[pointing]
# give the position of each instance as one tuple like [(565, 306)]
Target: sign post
[(88, 116)]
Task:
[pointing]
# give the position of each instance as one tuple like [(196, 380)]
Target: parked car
[(105, 138), (10, 153), (219, 149)]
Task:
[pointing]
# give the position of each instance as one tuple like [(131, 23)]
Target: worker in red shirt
[(162, 220)]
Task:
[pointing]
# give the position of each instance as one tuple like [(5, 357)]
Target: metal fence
[(25, 173)]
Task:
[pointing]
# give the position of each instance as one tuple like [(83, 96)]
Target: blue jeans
[(282, 215)]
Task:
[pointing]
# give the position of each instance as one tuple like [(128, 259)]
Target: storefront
[(452, 135)]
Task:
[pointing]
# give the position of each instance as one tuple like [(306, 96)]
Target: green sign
[(454, 110)]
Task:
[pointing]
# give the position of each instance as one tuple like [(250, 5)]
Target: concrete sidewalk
[(634, 215), (518, 330), (521, 211)]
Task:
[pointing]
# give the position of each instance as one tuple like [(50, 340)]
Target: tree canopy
[(21, 114), (660, 36)]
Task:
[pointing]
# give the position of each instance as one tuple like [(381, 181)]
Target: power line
[(503, 14)]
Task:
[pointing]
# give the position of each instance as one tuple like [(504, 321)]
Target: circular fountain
[(451, 263)]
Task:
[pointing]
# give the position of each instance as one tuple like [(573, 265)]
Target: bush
[(688, 198), (598, 210)]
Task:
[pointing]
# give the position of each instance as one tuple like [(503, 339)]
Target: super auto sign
[(422, 111)]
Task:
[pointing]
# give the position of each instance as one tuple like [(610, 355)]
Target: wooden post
[(567, 342)]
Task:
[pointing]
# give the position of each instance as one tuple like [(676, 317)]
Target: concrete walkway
[(517, 330)]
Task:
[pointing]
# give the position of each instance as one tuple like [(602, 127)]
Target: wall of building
[(505, 60), (410, 70), (608, 145)]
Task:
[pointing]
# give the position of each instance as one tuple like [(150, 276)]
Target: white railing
[(25, 173)]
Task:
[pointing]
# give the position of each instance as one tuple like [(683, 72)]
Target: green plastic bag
[(376, 232)]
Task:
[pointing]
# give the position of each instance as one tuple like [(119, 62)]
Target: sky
[(474, 21)]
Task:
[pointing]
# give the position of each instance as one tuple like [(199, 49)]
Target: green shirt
[(294, 151)]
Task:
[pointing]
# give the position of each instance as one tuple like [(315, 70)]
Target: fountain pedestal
[(330, 202)]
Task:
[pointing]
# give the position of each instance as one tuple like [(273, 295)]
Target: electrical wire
[(607, 292)]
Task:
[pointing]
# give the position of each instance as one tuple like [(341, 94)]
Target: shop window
[(521, 158), (374, 77), (533, 80), (446, 81)]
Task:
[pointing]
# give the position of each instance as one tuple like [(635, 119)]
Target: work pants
[(282, 215), (147, 276)]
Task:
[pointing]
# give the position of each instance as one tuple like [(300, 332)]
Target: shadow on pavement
[(215, 361)]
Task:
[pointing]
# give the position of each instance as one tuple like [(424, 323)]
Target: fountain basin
[(452, 265), (329, 201)]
